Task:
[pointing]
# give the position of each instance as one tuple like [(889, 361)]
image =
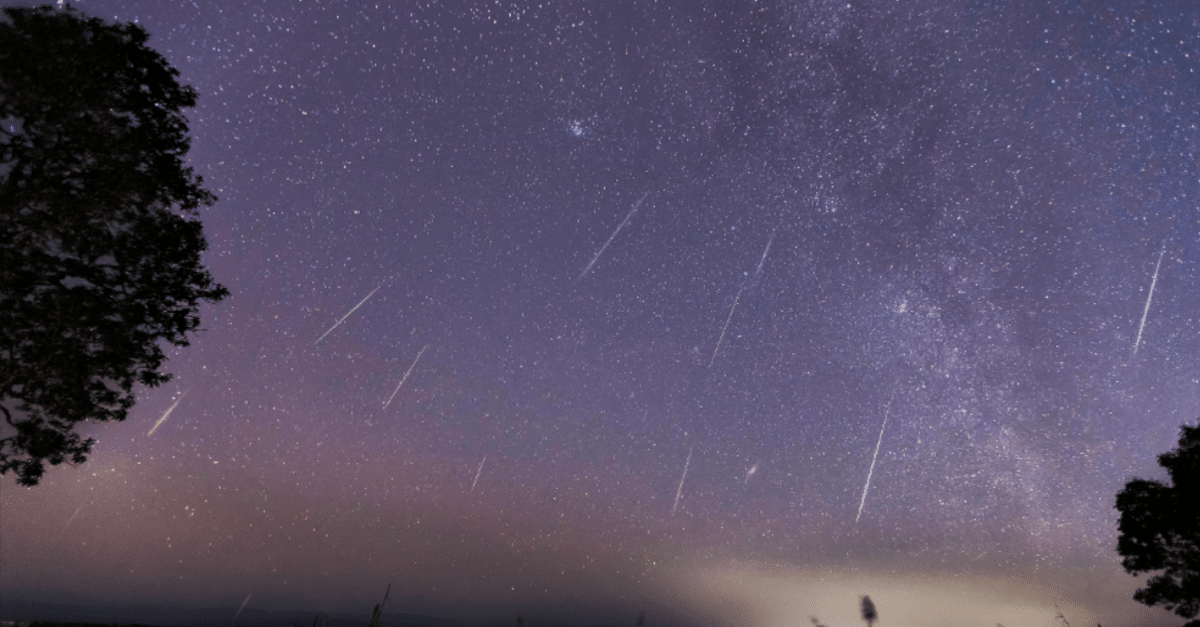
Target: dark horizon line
[(19, 613)]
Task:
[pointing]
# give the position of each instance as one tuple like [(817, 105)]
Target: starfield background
[(727, 312)]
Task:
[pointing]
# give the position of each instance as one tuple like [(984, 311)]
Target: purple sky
[(628, 237)]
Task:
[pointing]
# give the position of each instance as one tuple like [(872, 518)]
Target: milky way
[(960, 201)]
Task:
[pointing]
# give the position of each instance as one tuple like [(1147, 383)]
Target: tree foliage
[(99, 242), (869, 615), (1160, 530)]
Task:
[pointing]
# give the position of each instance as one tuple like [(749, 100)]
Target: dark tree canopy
[(869, 615), (1160, 530), (99, 242)]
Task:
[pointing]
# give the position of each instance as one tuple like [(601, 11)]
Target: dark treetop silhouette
[(100, 251), (869, 615), (1160, 530)]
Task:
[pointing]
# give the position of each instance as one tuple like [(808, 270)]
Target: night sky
[(575, 309)]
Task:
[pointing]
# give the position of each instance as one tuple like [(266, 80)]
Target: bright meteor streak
[(679, 490), (726, 327), (870, 472), (339, 322), (478, 471), (613, 236), (166, 413), (405, 377), (1148, 297), (766, 250)]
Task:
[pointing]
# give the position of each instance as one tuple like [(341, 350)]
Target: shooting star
[(239, 612), (764, 255), (679, 490), (613, 236), (339, 322), (166, 413), (405, 377), (726, 327), (72, 518), (478, 471), (873, 458), (1145, 311)]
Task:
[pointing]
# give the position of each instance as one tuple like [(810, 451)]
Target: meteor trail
[(164, 416), (405, 377), (679, 490), (873, 457), (613, 236), (339, 322), (477, 472), (72, 518), (239, 612), (1148, 297), (726, 327), (764, 255)]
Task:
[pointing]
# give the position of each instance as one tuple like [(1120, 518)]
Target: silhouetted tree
[(868, 611), (641, 618), (99, 245), (1160, 530), (378, 611)]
